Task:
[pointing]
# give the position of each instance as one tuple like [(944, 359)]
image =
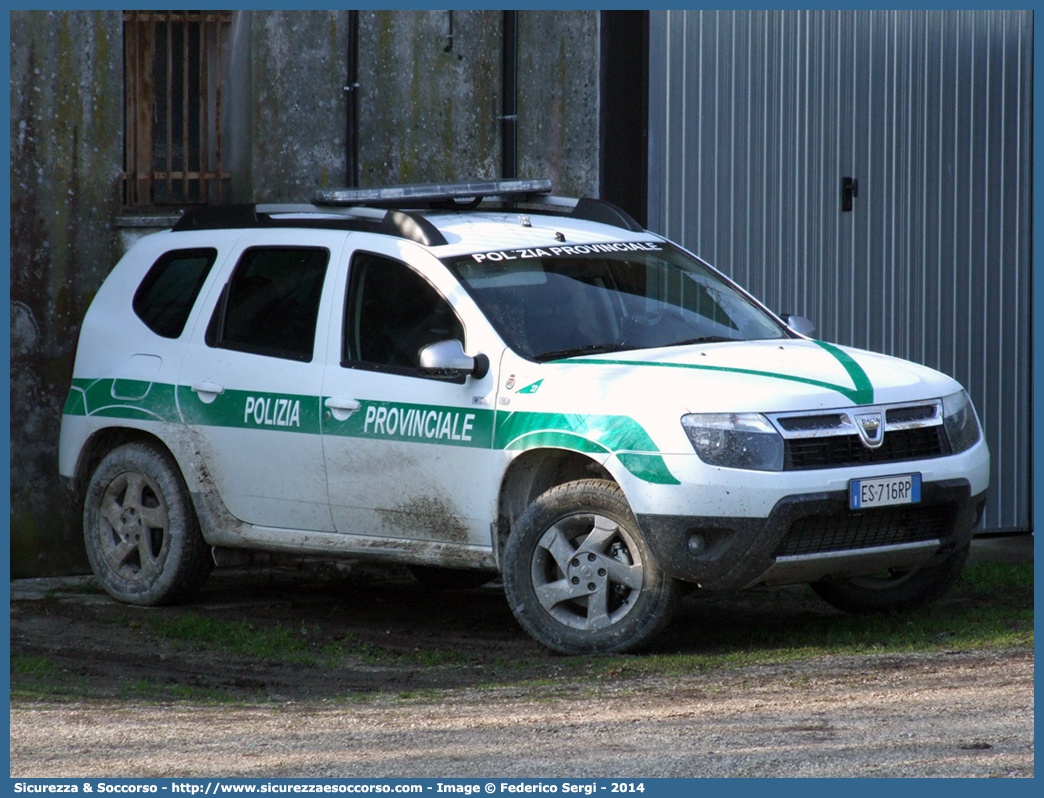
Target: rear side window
[(166, 296), (271, 304)]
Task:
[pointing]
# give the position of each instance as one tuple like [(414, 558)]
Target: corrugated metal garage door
[(756, 117)]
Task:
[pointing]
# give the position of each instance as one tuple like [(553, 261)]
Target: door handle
[(340, 407), (208, 391), (849, 189)]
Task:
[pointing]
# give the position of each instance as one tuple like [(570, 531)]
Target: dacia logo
[(871, 427)]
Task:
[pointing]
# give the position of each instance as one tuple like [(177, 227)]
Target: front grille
[(887, 526), (906, 415), (837, 451), (801, 423)]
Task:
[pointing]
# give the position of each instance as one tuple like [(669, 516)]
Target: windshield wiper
[(590, 349)]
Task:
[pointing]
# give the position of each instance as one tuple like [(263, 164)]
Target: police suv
[(534, 386)]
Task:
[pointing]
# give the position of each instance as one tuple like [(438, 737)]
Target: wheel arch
[(99, 444), (532, 473)]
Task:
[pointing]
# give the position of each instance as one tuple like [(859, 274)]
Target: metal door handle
[(334, 403), (208, 391), (849, 189), (341, 408)]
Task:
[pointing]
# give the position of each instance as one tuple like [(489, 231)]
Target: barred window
[(174, 63)]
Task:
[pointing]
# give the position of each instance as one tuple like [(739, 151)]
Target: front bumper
[(812, 536)]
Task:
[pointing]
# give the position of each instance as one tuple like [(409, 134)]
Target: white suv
[(538, 387)]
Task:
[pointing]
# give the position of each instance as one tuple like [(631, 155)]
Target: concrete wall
[(425, 115), (299, 63), (428, 114), (558, 110), (66, 162)]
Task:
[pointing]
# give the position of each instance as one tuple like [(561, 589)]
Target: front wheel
[(579, 576), (141, 532), (895, 590)]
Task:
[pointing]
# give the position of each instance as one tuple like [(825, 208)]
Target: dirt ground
[(434, 683)]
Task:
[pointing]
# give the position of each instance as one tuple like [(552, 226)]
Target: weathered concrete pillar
[(558, 102), (428, 113), (299, 65), (66, 166)]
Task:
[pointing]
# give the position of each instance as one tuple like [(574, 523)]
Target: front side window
[(391, 314), (568, 301), (271, 304), (166, 296)]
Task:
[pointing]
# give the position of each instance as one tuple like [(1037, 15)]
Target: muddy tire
[(450, 578), (579, 576), (140, 528), (894, 591)]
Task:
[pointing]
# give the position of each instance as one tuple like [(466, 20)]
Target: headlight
[(735, 440), (962, 427)]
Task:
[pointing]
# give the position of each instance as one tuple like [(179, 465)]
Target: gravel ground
[(896, 716)]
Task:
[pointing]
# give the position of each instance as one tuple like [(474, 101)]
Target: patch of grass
[(238, 637), (35, 678), (430, 658), (350, 647), (153, 690), (281, 643), (990, 609), (360, 698), (987, 579), (33, 667)]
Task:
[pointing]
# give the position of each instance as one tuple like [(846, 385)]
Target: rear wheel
[(895, 590), (579, 576), (140, 529)]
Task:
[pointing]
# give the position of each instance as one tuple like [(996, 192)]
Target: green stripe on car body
[(648, 468), (447, 425), (862, 392), (396, 421), (134, 399), (614, 433), (277, 412), (591, 434)]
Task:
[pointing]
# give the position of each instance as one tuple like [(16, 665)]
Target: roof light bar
[(392, 196)]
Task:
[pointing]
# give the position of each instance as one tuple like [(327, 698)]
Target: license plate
[(884, 491)]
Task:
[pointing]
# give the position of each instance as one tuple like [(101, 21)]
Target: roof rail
[(409, 226), (412, 227), (592, 210), (218, 217)]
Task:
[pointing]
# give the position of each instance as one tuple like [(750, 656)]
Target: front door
[(407, 457)]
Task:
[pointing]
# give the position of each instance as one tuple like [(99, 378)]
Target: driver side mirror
[(799, 324), (445, 360)]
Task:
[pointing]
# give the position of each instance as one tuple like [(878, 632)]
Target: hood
[(764, 376)]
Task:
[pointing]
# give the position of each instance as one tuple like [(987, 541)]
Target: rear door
[(249, 388)]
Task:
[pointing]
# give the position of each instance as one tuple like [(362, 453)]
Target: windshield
[(563, 301)]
